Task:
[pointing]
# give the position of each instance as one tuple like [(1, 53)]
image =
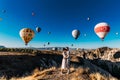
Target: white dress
[(65, 61)]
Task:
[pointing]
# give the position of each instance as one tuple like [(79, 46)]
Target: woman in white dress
[(65, 60)]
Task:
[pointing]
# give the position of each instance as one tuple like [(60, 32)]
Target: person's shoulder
[(63, 52), (68, 51)]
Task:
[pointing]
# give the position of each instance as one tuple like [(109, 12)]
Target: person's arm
[(68, 54), (64, 56)]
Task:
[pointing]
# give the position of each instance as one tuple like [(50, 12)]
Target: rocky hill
[(27, 64)]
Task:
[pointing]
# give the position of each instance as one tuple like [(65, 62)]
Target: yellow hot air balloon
[(27, 35)]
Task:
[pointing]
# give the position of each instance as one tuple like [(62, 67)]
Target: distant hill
[(2, 46)]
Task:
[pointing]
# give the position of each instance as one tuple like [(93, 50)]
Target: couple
[(66, 60)]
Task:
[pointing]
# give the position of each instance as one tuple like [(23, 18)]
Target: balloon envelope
[(75, 33), (85, 35), (88, 18), (33, 14), (3, 11), (49, 32), (102, 29), (44, 45), (117, 33), (48, 43), (38, 29), (26, 35), (71, 44)]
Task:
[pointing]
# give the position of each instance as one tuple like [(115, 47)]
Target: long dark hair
[(64, 49)]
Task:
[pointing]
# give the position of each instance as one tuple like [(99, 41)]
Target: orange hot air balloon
[(102, 29), (27, 35)]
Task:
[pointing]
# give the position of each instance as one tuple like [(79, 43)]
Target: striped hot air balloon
[(101, 29)]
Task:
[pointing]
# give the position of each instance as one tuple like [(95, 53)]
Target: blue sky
[(59, 17)]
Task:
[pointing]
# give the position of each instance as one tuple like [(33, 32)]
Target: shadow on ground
[(117, 55)]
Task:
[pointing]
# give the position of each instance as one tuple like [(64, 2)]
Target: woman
[(65, 60)]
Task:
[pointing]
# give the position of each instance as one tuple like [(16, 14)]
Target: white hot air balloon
[(117, 33), (26, 35), (102, 29), (88, 19), (85, 35), (75, 33), (38, 29)]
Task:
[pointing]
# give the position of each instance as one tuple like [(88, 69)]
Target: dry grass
[(37, 75), (82, 70), (3, 78), (76, 74), (80, 74), (43, 73), (98, 76), (72, 69)]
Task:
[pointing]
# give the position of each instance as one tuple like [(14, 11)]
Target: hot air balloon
[(3, 11), (48, 43), (85, 35), (44, 45), (71, 44), (101, 29), (26, 34), (49, 32), (38, 29), (88, 19), (117, 33), (33, 14), (75, 33)]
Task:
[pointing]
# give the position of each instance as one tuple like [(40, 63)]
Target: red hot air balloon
[(101, 29)]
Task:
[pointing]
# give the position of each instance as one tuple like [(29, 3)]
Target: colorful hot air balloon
[(38, 29), (75, 33), (26, 34), (101, 29)]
